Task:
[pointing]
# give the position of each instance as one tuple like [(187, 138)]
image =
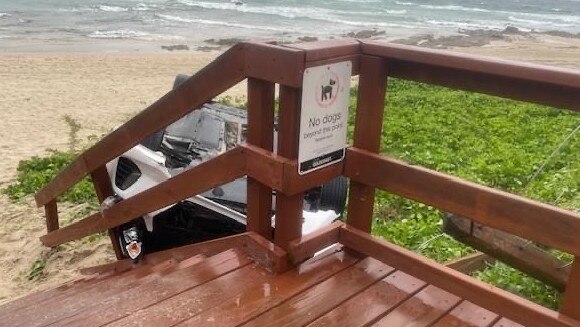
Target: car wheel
[(333, 195), (179, 79), (153, 141)]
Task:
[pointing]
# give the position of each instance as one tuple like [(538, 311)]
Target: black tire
[(179, 79), (153, 141), (333, 195)]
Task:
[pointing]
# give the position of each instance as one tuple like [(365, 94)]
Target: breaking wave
[(220, 23)]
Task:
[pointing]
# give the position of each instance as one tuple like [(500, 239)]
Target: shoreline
[(103, 89), (461, 38)]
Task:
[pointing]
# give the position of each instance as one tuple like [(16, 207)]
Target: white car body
[(154, 171)]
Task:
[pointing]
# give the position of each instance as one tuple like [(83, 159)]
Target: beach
[(101, 90), (37, 90)]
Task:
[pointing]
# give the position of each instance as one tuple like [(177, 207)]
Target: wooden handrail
[(221, 74), (207, 175), (475, 63), (546, 224), (281, 174), (528, 82)]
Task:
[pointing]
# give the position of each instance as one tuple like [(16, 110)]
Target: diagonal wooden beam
[(217, 171), (223, 73), (512, 250)]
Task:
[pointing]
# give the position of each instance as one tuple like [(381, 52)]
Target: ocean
[(78, 24)]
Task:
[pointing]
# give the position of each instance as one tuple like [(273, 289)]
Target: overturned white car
[(199, 136)]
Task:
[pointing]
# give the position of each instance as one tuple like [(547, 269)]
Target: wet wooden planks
[(375, 301), (338, 288)]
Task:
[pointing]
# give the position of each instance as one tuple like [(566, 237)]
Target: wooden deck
[(217, 284), (335, 288)]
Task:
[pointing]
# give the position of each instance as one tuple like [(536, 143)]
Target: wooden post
[(288, 208), (260, 133), (51, 213), (104, 189), (571, 303), (367, 135)]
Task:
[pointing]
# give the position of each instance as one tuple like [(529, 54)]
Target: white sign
[(324, 116)]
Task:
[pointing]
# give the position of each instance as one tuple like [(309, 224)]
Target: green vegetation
[(233, 101), (73, 134), (516, 282), (37, 268), (501, 143), (36, 172)]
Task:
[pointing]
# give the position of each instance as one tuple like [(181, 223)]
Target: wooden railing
[(266, 65)]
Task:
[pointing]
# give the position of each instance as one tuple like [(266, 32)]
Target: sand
[(37, 91), (101, 91)]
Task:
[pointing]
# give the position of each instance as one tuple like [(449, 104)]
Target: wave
[(276, 29), (372, 24), (455, 8), (287, 12), (221, 23), (562, 18), (145, 7), (540, 16), (118, 34), (111, 8), (466, 25), (4, 14), (541, 23), (361, 1), (395, 12), (131, 34)]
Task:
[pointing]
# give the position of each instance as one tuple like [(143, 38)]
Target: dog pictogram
[(326, 92)]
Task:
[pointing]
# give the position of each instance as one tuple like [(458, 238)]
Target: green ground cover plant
[(496, 142), (36, 172)]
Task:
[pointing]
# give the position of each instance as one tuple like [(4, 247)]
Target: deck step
[(165, 286), (53, 306), (336, 288), (372, 303), (241, 309), (321, 298), (423, 309)]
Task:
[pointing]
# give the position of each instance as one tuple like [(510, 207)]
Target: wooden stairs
[(269, 278), (338, 287)]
